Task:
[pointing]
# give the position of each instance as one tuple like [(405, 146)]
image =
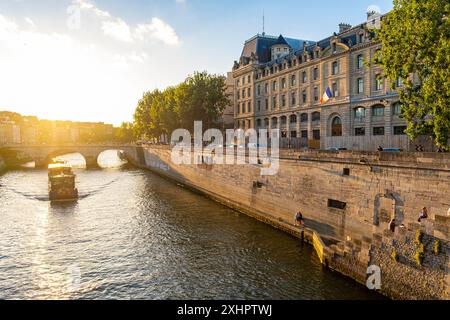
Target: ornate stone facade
[(279, 83)]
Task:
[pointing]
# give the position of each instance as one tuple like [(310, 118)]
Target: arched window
[(397, 109), (258, 123), (283, 120), (315, 116), (293, 119), (378, 110), (274, 122), (336, 127), (360, 113), (304, 117), (266, 122)]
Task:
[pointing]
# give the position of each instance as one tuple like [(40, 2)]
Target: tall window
[(360, 113), (360, 85), (378, 111), (259, 105), (335, 89), (249, 92), (293, 98), (315, 116), (293, 80), (399, 82), (267, 104), (293, 119), (274, 86), (304, 96), (274, 102), (243, 93), (266, 88), (283, 83), (274, 122), (316, 73), (335, 68), (304, 117), (249, 107), (283, 101), (316, 94), (378, 82), (304, 78), (397, 109), (360, 61), (259, 89)]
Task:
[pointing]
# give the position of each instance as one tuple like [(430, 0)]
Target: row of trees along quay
[(201, 97), (415, 40)]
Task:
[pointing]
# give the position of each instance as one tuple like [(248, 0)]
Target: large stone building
[(279, 83)]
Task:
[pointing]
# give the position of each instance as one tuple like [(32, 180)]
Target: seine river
[(134, 235)]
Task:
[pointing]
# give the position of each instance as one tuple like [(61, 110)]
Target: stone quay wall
[(348, 198)]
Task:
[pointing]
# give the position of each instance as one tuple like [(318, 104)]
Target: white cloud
[(117, 28), (78, 75), (158, 30)]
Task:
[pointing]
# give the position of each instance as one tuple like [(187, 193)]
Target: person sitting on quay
[(423, 214), (392, 225), (299, 222)]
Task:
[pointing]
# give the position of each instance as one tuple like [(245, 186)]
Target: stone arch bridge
[(43, 154)]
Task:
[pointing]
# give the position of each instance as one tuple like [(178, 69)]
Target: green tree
[(125, 133), (415, 38), (201, 97), (142, 118)]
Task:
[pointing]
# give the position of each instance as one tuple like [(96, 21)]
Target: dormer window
[(334, 47), (361, 38)]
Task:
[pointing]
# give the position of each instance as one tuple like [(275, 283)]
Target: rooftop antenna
[(264, 24)]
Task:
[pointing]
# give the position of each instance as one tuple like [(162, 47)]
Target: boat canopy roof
[(56, 166)]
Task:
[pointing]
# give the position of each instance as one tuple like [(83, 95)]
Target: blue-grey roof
[(261, 44)]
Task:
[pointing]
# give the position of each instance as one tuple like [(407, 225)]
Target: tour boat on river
[(61, 182)]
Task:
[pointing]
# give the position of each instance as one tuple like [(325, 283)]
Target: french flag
[(326, 96)]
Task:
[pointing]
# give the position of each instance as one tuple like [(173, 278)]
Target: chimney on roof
[(371, 13), (344, 27)]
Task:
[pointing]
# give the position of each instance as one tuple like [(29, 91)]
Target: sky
[(92, 60)]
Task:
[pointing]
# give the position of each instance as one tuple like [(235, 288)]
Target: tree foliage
[(125, 133), (415, 38), (201, 97)]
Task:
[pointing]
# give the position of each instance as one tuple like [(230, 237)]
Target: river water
[(134, 235)]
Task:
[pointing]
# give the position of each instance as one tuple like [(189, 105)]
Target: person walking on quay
[(299, 222), (423, 214)]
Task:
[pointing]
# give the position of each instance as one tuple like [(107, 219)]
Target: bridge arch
[(42, 155)]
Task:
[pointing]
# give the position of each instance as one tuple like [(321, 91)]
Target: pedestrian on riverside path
[(299, 220)]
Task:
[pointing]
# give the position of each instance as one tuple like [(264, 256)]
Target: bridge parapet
[(43, 154)]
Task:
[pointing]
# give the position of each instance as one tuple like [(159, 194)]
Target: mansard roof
[(260, 46)]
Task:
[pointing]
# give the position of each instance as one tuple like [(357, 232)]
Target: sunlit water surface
[(134, 235)]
